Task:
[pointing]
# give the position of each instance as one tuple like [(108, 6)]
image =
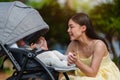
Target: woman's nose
[(68, 30)]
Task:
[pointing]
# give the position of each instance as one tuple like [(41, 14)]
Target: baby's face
[(40, 40), (39, 44)]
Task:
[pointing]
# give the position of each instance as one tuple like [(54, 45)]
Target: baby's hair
[(32, 38)]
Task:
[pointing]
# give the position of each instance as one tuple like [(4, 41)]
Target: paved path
[(3, 76)]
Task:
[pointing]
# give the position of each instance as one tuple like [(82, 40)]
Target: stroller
[(18, 21)]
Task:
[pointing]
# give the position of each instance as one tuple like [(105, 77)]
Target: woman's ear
[(83, 28)]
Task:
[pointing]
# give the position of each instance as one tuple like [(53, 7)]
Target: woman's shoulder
[(99, 43), (71, 46)]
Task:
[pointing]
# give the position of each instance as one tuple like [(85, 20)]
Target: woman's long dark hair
[(83, 19)]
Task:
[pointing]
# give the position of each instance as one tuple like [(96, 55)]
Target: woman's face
[(74, 30)]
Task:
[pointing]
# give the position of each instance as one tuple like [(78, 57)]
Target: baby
[(52, 58)]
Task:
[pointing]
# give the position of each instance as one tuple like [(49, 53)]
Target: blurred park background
[(105, 15)]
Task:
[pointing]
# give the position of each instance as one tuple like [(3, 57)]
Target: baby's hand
[(42, 43), (32, 46)]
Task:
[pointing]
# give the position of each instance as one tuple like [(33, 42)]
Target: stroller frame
[(19, 70)]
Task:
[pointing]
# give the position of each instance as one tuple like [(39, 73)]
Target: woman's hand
[(72, 58)]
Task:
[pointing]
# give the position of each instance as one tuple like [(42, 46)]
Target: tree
[(56, 17), (106, 19)]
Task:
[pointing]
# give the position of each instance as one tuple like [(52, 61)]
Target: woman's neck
[(85, 41)]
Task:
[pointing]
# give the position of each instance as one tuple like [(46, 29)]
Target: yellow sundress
[(107, 71)]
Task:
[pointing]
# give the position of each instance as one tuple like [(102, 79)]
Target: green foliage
[(1, 61), (106, 17), (116, 23), (7, 70), (101, 16), (116, 61), (56, 17), (39, 4)]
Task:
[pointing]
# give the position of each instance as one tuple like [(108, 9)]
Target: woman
[(89, 52)]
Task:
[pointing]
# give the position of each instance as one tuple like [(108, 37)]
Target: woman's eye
[(72, 27)]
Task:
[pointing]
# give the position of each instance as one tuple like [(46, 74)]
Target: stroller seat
[(29, 65)]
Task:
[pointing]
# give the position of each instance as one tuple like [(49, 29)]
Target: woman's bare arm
[(91, 71)]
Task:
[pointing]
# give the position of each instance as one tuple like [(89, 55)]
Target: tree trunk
[(109, 38)]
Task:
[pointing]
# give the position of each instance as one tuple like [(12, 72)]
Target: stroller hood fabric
[(18, 20)]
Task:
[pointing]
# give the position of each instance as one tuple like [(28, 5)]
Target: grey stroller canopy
[(18, 21)]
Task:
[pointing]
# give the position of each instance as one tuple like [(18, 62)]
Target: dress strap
[(77, 48), (77, 51)]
